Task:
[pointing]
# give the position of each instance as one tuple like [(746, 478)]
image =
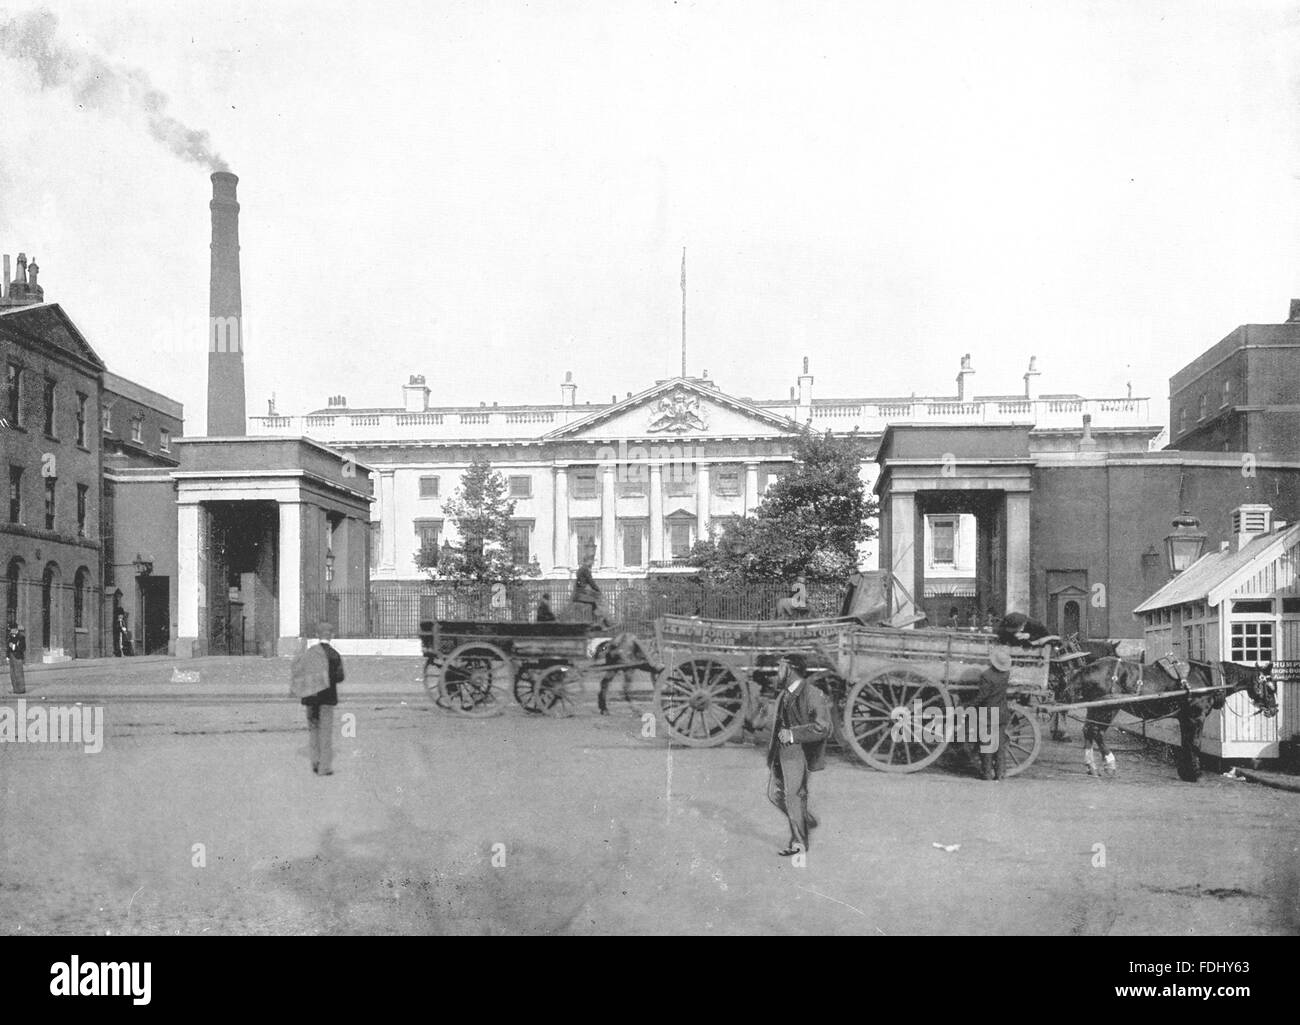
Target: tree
[(809, 523), (482, 514)]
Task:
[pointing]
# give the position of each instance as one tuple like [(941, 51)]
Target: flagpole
[(683, 311)]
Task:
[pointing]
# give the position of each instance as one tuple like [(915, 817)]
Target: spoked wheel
[(525, 690), (475, 679), (556, 691), (701, 702), (896, 720), (1024, 738)]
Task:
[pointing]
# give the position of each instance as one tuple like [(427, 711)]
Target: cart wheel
[(881, 725), (1024, 738), (524, 690), (701, 702), (474, 679), (556, 691)]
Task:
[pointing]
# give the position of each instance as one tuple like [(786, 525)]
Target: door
[(155, 614), (1067, 613)]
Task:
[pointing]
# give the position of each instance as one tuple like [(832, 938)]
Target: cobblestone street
[(600, 830)]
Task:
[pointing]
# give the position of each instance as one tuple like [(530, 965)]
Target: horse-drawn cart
[(896, 693), (471, 665)]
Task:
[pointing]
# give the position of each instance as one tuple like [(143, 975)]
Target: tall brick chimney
[(226, 412)]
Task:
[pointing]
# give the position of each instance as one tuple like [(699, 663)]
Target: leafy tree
[(810, 522), (481, 512)]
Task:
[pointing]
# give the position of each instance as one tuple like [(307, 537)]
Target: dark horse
[(1116, 677)]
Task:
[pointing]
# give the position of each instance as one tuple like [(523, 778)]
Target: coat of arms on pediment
[(677, 413)]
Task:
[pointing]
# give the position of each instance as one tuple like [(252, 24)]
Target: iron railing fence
[(395, 609)]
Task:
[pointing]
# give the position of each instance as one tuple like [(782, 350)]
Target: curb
[(1269, 779)]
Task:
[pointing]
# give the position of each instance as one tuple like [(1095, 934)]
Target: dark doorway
[(155, 614), (242, 577), (50, 607)]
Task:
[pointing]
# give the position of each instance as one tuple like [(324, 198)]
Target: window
[(943, 542), (633, 543), (1200, 408), (1254, 606), (727, 481), (81, 419), (521, 487), (164, 440), (15, 494), (1252, 642), (82, 489), (1182, 420), (679, 540), (520, 541), (770, 478), (14, 404), (429, 487), (586, 536), (1227, 392), (49, 503), (106, 419), (49, 407), (137, 429), (82, 585), (1291, 606), (428, 531), (584, 482)]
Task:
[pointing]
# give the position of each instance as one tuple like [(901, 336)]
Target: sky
[(493, 193)]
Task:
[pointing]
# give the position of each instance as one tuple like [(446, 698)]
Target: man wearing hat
[(320, 706), (801, 727), (993, 695), (16, 652)]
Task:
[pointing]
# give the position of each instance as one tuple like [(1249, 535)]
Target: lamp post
[(1186, 542)]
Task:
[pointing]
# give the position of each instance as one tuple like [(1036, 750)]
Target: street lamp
[(1184, 545), (329, 567)]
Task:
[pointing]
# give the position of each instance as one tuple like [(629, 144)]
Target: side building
[(50, 547)]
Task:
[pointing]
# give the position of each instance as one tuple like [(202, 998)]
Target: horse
[(622, 653), (1071, 655), (1113, 677)]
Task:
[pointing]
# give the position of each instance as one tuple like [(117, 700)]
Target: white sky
[(491, 193)]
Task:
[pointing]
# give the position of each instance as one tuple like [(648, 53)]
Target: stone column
[(608, 535), (751, 487), (561, 518), (388, 520), (191, 593), (903, 541), (290, 596), (656, 512), (1017, 549), (701, 500)]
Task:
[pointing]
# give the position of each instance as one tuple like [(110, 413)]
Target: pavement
[(200, 815)]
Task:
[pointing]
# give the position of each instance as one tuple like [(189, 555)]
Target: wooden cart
[(721, 679), (471, 665)]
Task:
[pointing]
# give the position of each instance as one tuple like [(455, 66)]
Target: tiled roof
[(1215, 568)]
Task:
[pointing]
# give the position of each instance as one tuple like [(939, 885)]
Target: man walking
[(586, 592), (801, 728), (16, 652), (320, 705)]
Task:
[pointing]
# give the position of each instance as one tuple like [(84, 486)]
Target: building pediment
[(47, 324), (675, 410)]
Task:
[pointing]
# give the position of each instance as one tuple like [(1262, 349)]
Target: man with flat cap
[(320, 705), (801, 727)]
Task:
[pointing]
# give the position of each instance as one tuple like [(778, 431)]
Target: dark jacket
[(1017, 622), (545, 614), (330, 695), (808, 716), (16, 645), (993, 690), (585, 588)]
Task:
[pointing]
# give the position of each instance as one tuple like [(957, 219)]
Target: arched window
[(1200, 412), (81, 588), (13, 577)]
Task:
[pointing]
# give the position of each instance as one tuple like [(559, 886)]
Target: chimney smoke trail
[(97, 84)]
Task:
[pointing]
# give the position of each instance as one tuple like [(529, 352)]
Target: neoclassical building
[(635, 481)]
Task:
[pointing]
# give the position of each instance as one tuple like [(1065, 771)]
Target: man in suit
[(993, 696), (320, 706), (801, 727), (16, 652)]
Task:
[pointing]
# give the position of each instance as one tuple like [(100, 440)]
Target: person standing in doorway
[(798, 747), (320, 706), (16, 652)]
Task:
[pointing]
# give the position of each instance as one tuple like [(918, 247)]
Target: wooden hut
[(1238, 604)]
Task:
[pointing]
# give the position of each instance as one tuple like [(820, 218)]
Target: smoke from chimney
[(226, 410), (97, 84)]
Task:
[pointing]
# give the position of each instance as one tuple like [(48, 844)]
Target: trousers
[(320, 735), (17, 676), (788, 790)]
